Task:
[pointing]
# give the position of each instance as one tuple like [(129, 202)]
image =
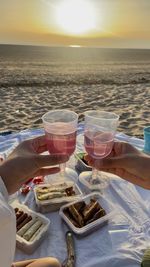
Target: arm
[(24, 162), (27, 162), (127, 162), (22, 263), (41, 262), (7, 228)]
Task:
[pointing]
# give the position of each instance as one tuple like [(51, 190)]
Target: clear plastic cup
[(147, 139)]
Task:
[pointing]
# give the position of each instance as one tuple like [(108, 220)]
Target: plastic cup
[(147, 139)]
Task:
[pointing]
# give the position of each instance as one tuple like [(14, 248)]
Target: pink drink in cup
[(99, 132), (98, 144), (61, 138), (60, 131)]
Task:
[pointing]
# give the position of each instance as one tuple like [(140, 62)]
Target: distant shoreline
[(71, 47)]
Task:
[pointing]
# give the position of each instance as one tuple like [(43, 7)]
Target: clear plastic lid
[(85, 179), (53, 190)]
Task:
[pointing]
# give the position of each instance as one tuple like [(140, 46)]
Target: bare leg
[(43, 262)]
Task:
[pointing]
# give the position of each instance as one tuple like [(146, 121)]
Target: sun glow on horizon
[(74, 45), (76, 16), (88, 23)]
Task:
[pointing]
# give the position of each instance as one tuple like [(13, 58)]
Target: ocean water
[(36, 79)]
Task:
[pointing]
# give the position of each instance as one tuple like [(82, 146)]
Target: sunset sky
[(94, 23)]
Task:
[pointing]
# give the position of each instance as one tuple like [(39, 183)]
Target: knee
[(52, 262)]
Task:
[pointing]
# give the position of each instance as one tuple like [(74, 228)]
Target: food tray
[(54, 204), (30, 246), (105, 204), (103, 177), (81, 166)]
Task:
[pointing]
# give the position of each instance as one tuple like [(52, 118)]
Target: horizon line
[(74, 46)]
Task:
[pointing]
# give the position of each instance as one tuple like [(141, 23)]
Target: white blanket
[(120, 243)]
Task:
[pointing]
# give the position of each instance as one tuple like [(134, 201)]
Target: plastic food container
[(81, 166), (105, 204), (54, 204), (103, 177), (30, 246)]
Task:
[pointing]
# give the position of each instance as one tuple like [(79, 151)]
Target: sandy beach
[(19, 112), (29, 88)]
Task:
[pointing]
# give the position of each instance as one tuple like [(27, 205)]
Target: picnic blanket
[(119, 243)]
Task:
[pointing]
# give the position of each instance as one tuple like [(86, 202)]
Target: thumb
[(113, 162), (50, 160)]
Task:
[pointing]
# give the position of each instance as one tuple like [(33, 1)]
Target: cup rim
[(116, 117), (67, 110), (147, 130)]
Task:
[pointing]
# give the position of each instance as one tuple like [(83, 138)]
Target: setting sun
[(76, 16)]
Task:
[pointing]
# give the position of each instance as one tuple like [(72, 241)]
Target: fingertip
[(49, 171), (55, 170), (88, 159), (63, 158)]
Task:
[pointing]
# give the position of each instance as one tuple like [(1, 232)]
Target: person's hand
[(26, 162), (126, 162)]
